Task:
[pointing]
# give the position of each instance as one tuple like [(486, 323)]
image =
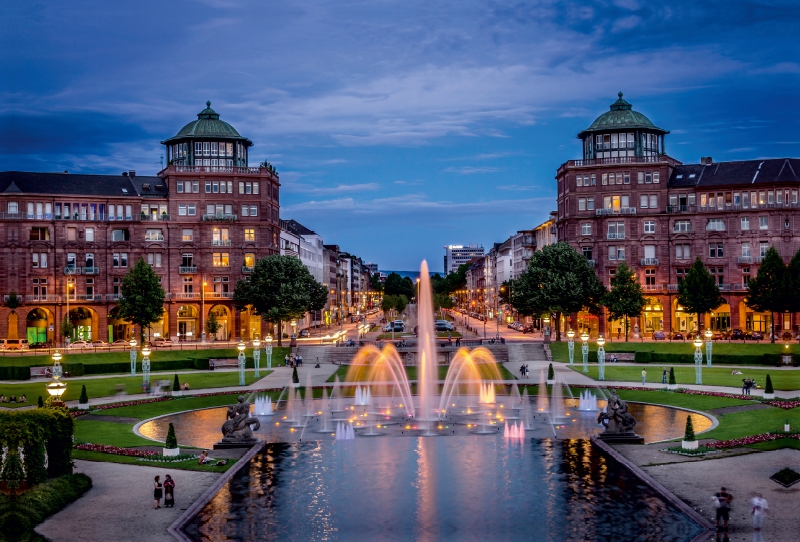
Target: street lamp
[(256, 355), (709, 346), (571, 346), (268, 351), (293, 341), (56, 389), (203, 311), (585, 351), (698, 360), (146, 366), (241, 346), (601, 358), (546, 321), (133, 343)]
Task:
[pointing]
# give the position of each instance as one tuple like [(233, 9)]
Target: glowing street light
[(56, 389), (256, 355), (546, 321), (709, 346), (268, 351), (146, 367), (698, 360), (132, 344), (585, 351), (601, 358), (571, 346), (241, 361)]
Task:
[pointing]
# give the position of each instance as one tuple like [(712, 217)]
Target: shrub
[(84, 398), (40, 402), (296, 379), (672, 376), (768, 387), (688, 435), (75, 369), (176, 384), (551, 374), (643, 357), (15, 373), (172, 440)]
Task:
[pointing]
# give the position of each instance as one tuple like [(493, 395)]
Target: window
[(761, 198), (648, 177), (586, 229), (154, 259), (89, 288), (626, 177), (718, 273), (619, 177), (620, 253), (128, 211), (221, 285), (123, 259), (589, 203), (579, 180), (120, 235), (221, 259), (650, 277), (72, 234), (682, 226), (90, 235), (715, 250), (220, 237), (179, 187), (188, 285), (653, 201), (241, 187), (745, 250), (616, 230), (40, 234), (681, 273), (763, 247), (587, 252), (253, 210), (249, 234), (35, 261), (39, 287), (13, 207), (249, 259), (763, 223), (715, 224), (187, 235), (770, 197), (778, 196), (192, 209), (649, 226), (682, 251), (612, 252), (581, 204), (745, 222), (208, 187), (154, 235), (187, 260), (745, 275), (640, 177), (89, 259), (643, 201), (656, 177), (181, 209)]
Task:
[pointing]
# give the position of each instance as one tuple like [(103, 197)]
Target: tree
[(625, 299), (84, 398), (792, 288), (40, 402), (767, 292), (375, 282), (768, 386), (507, 292), (551, 374), (295, 377), (442, 301), (688, 434), (172, 441), (66, 327), (280, 289), (141, 297), (558, 280), (397, 285), (212, 324), (671, 380), (176, 384), (698, 293), (13, 302)]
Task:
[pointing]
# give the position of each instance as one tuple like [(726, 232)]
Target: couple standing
[(167, 490), (524, 370)]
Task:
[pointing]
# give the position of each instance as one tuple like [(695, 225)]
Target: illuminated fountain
[(587, 402), (263, 406)]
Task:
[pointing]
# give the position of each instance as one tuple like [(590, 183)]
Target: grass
[(105, 387), (411, 373), (715, 376), (681, 400), (151, 410), (178, 465), (123, 355), (108, 433), (753, 422), (560, 351), (776, 445)]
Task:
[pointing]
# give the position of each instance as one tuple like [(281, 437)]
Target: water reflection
[(460, 488)]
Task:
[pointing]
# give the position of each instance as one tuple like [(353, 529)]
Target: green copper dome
[(208, 126), (621, 117)]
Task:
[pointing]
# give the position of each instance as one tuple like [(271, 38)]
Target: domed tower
[(208, 141), (622, 132)]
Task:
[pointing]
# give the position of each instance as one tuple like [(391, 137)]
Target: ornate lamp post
[(585, 351), (56, 389), (293, 342), (709, 346), (268, 351), (241, 346), (256, 356), (546, 321), (146, 366), (571, 346), (133, 343), (601, 358), (698, 360)]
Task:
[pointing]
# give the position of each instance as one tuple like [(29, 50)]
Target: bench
[(622, 356), (39, 371), (228, 362)]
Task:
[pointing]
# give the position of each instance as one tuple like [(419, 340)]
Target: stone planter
[(551, 382), (787, 428), (178, 393), (83, 406), (672, 386), (769, 396), (689, 444), (170, 452)]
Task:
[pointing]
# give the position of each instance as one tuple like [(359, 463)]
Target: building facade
[(67, 240), (456, 255), (627, 201)]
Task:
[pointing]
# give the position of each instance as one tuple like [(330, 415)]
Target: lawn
[(151, 410), (560, 351), (681, 400), (182, 465), (411, 373), (753, 422), (715, 376), (105, 387)]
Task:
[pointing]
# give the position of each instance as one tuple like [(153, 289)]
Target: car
[(121, 342), (37, 346), (99, 344), (757, 336), (80, 344), (719, 335), (305, 333), (527, 329), (398, 327), (677, 336), (161, 341), (659, 336), (388, 328), (737, 335)]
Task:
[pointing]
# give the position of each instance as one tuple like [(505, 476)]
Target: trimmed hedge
[(643, 357), (20, 514), (15, 373), (659, 358)]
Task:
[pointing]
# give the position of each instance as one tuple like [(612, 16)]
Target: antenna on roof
[(161, 161)]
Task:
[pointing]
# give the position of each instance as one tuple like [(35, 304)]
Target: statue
[(236, 431), (618, 422)]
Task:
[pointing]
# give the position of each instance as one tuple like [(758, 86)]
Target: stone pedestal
[(621, 438), (226, 443)]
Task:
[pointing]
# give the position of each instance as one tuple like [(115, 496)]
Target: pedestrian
[(286, 360), (644, 375), (619, 332), (722, 502), (664, 375), (527, 370), (157, 491), (169, 492), (760, 508)]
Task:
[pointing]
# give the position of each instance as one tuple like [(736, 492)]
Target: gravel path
[(119, 507)]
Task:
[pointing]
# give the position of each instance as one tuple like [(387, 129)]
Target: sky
[(397, 127)]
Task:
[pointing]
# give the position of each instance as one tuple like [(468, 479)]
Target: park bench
[(38, 371), (622, 356), (228, 362)]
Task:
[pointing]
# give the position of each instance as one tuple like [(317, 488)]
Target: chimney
[(706, 161), (124, 173), (132, 173)]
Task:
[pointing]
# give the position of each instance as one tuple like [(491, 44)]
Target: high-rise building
[(455, 255)]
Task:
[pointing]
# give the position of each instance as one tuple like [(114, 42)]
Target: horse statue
[(616, 419), (237, 427)]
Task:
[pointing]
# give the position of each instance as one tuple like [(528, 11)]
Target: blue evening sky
[(397, 126)]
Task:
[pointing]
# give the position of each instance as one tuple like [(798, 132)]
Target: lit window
[(187, 235), (249, 234)]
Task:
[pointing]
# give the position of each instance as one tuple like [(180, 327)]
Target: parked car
[(36, 346), (527, 329), (80, 344), (388, 327), (659, 336), (677, 336), (305, 333), (737, 335), (719, 335), (162, 341), (99, 344), (757, 336), (122, 342)]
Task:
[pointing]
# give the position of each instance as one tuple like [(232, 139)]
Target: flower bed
[(786, 405), (753, 439), (115, 450)]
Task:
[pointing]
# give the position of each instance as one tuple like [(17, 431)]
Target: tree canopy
[(450, 283), (558, 280), (698, 293), (280, 288), (397, 285), (625, 299), (768, 291), (141, 297)]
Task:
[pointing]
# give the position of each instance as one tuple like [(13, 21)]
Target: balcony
[(615, 212), (219, 295), (46, 298), (155, 218), (653, 287), (611, 235), (91, 270), (247, 269), (220, 217), (12, 216), (672, 287), (113, 297), (187, 295), (220, 169), (648, 261), (680, 209), (620, 160), (86, 297), (592, 263), (187, 269), (745, 259), (759, 259), (72, 270), (220, 242)]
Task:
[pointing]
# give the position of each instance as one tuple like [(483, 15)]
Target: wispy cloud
[(470, 170), (337, 189), (518, 187)]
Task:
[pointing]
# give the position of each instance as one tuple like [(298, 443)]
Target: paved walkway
[(119, 506)]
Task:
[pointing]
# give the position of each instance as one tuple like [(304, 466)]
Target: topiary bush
[(84, 398), (40, 402), (176, 384), (688, 434), (296, 379), (672, 376), (172, 441), (768, 387), (551, 374)]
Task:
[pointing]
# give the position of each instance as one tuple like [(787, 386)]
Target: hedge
[(15, 373), (718, 359), (20, 514)]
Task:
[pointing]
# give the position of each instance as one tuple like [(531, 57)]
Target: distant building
[(455, 255)]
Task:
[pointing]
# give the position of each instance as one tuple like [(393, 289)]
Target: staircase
[(312, 353), (525, 352)]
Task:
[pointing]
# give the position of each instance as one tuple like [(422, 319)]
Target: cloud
[(517, 187), (469, 170), (337, 189)]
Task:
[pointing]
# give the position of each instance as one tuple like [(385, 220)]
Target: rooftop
[(621, 117), (72, 184), (208, 126), (745, 172)]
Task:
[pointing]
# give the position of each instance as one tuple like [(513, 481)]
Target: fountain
[(263, 406), (587, 402), (542, 404)]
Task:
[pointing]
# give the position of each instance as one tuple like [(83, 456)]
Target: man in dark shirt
[(723, 511)]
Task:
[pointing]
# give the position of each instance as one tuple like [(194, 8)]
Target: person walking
[(644, 376), (664, 375), (157, 492), (759, 512), (723, 506), (169, 492)]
